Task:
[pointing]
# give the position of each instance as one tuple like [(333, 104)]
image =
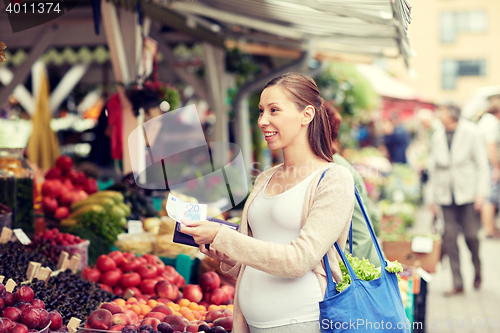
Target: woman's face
[(445, 116), (280, 119)]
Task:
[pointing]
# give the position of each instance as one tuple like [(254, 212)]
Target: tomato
[(141, 260), (91, 274), (128, 255), (64, 162), (117, 257), (148, 286), (118, 291), (105, 263), (129, 265), (135, 290), (130, 280), (106, 287), (147, 271), (169, 278), (155, 261), (111, 278)]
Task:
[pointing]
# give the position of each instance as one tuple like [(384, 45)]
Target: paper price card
[(135, 227), (22, 237)]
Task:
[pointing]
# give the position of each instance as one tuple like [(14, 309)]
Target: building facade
[(458, 48)]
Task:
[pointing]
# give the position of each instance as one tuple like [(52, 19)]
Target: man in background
[(396, 140)]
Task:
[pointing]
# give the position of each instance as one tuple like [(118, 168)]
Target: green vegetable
[(365, 270), (101, 229)]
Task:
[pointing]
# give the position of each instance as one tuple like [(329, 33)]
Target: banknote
[(178, 209)]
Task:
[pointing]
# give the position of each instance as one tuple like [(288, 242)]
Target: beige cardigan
[(325, 219)]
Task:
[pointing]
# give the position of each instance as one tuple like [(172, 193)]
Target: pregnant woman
[(290, 219)]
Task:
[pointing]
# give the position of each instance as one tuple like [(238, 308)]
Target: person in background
[(396, 140), (459, 178), (489, 126), (362, 243)]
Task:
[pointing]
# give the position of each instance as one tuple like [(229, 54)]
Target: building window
[(453, 23), (453, 69)]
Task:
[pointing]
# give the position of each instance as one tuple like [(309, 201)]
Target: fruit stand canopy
[(366, 27)]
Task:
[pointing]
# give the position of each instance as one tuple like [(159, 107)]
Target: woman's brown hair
[(303, 91)]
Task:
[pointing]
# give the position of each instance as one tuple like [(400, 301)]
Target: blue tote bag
[(364, 306)]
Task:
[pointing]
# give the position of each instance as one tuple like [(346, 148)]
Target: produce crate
[(402, 252)]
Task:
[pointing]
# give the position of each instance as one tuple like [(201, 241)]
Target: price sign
[(135, 227), (421, 244), (22, 237)]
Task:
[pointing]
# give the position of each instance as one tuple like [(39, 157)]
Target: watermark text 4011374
[(28, 14)]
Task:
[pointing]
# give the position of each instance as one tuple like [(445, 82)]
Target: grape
[(15, 257)]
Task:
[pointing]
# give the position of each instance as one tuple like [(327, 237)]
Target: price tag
[(2, 278), (73, 325), (421, 244), (6, 235), (135, 227), (10, 285), (74, 262), (33, 268), (62, 264), (22, 237)]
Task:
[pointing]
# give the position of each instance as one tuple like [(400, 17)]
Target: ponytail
[(319, 133)]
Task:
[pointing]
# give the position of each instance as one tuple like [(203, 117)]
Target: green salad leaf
[(365, 270)]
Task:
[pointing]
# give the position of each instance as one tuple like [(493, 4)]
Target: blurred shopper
[(459, 176), (362, 243), (396, 140), (489, 126)]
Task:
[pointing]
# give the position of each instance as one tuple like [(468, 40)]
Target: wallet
[(186, 239)]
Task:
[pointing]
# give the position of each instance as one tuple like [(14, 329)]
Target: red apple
[(209, 281), (105, 263), (90, 185), (168, 291), (180, 281), (49, 204), (229, 290), (25, 294), (61, 213), (112, 307), (91, 274), (193, 293), (12, 313), (66, 198), (31, 317), (53, 173), (100, 319), (120, 319), (64, 162), (78, 195), (56, 320)]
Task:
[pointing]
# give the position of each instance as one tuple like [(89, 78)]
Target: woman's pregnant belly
[(267, 300)]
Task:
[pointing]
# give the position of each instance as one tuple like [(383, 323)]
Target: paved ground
[(475, 309)]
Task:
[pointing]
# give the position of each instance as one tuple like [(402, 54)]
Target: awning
[(386, 85), (367, 27)]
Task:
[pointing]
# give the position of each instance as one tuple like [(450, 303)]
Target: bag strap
[(331, 284), (350, 228)]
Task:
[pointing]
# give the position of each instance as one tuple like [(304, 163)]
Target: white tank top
[(267, 300)]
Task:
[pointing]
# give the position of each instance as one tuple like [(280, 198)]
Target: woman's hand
[(203, 232), (219, 256)]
